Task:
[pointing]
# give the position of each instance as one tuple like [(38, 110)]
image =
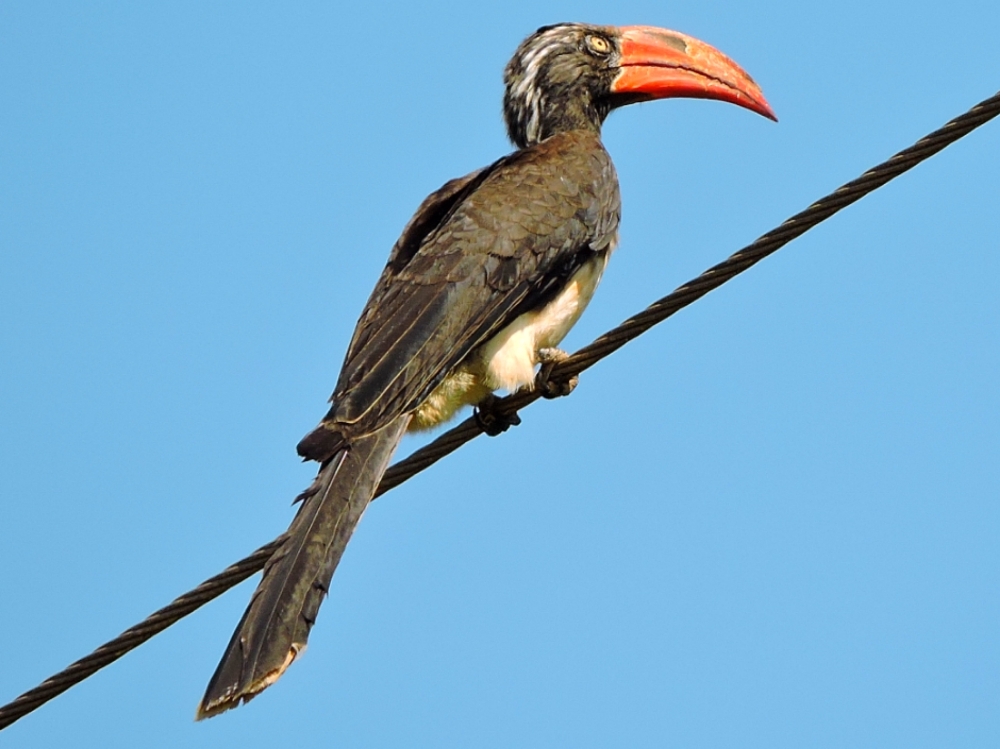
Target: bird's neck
[(535, 115)]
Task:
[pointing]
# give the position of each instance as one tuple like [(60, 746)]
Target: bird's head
[(570, 76)]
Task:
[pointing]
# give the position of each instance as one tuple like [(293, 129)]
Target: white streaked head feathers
[(549, 84), (526, 88)]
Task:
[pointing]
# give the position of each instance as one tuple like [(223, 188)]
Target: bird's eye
[(598, 45)]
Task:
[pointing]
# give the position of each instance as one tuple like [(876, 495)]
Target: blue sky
[(773, 521)]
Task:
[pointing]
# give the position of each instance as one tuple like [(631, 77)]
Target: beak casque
[(658, 64)]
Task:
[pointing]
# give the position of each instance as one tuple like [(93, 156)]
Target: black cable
[(470, 428)]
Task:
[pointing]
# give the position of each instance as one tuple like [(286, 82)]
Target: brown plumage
[(493, 267)]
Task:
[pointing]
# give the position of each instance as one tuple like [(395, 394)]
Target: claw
[(548, 386), (490, 420)]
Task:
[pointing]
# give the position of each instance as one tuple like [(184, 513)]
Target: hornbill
[(488, 276)]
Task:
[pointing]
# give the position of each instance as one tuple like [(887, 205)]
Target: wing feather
[(480, 252)]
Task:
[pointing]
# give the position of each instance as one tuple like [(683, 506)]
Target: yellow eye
[(598, 45)]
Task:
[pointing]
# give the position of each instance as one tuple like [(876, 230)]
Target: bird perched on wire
[(487, 278)]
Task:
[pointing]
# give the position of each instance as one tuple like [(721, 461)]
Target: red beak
[(657, 64)]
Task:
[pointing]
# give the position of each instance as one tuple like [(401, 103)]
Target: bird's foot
[(545, 383), (490, 418)]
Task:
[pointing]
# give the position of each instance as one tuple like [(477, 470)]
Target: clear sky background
[(772, 522)]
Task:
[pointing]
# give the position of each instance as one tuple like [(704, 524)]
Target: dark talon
[(489, 418), (548, 386)]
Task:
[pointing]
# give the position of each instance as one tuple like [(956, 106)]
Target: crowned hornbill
[(489, 275)]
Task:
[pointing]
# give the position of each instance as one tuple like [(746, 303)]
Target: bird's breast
[(508, 360)]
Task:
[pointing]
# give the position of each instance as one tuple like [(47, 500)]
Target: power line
[(470, 428)]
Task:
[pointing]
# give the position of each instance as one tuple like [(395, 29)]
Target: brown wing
[(479, 252)]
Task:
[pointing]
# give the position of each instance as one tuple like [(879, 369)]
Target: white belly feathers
[(508, 360)]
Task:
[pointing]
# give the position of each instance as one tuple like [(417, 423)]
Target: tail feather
[(275, 627)]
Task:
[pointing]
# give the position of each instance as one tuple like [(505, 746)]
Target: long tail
[(276, 625)]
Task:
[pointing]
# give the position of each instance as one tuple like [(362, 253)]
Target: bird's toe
[(491, 419)]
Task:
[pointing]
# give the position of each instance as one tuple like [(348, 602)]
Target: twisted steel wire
[(509, 406)]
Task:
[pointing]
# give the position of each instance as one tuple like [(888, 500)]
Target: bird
[(484, 282)]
